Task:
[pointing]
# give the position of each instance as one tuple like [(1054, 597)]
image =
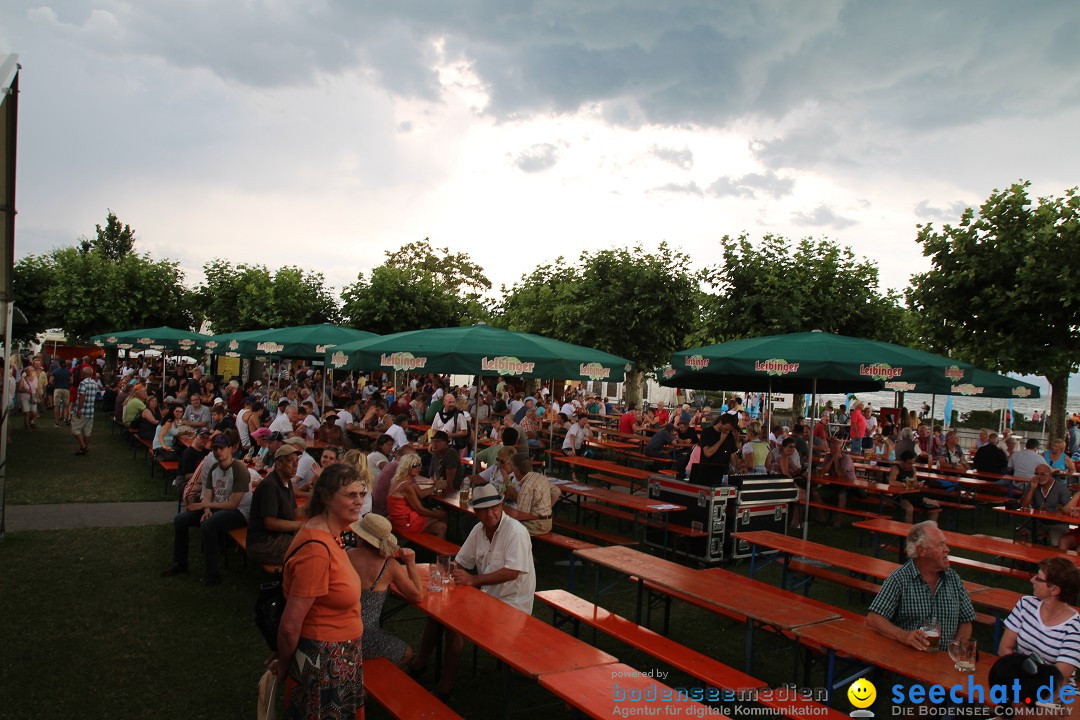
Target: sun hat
[(260, 433), (286, 449), (484, 496), (376, 531), (298, 442)]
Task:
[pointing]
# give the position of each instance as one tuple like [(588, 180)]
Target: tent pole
[(809, 471)]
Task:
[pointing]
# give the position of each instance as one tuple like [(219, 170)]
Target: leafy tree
[(629, 302), (33, 280), (1001, 290), (773, 288), (248, 297), (115, 241), (418, 287), (95, 293)]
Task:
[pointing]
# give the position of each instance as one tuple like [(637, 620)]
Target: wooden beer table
[(636, 505)]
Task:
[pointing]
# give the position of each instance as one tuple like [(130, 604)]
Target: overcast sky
[(322, 133)]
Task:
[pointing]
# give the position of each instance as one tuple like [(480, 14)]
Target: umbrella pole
[(551, 426), (768, 407), (476, 420), (809, 472), (933, 410)]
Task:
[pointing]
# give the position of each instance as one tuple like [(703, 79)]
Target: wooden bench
[(400, 695), (610, 480), (602, 536), (565, 542), (665, 649), (239, 536), (847, 511), (436, 545), (688, 660), (990, 567)]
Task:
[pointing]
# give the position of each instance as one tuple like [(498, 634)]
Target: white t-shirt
[(1024, 462), (344, 420), (398, 433), (281, 424), (376, 460), (568, 409), (511, 548), (242, 428), (311, 423), (305, 469), (575, 436)]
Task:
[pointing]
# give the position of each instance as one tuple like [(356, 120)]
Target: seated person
[(923, 589), (990, 458), (1050, 494), (533, 494), (380, 563), (499, 473), (902, 473), (330, 432), (273, 520), (576, 437), (403, 507), (839, 464), (197, 415), (1045, 621)]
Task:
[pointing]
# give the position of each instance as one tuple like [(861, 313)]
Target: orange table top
[(612, 444), (855, 639), (710, 588), (603, 466), (870, 487), (595, 691), (990, 546), (1043, 515), (528, 645), (844, 559), (636, 503)]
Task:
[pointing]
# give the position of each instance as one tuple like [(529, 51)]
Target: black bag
[(270, 602)]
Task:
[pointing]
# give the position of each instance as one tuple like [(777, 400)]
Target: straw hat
[(376, 531)]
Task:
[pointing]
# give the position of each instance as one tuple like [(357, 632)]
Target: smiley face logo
[(862, 693)]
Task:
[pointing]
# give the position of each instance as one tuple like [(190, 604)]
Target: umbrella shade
[(159, 338), (792, 362), (301, 341), (229, 343), (478, 350), (974, 383)]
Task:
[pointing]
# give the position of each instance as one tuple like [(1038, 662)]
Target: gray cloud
[(537, 158), (689, 188), (823, 216), (683, 159), (768, 183), (949, 214)]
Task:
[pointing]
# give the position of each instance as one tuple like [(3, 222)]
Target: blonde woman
[(403, 507), (755, 451), (367, 476)]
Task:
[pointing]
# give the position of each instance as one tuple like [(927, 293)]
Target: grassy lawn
[(42, 469), (89, 629)]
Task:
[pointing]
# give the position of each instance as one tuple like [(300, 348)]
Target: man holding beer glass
[(923, 595)]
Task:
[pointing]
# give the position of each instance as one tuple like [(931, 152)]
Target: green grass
[(89, 629), (42, 468)]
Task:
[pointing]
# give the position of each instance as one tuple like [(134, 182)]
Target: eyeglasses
[(1036, 578)]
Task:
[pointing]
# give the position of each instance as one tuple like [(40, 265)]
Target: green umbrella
[(301, 341), (802, 362), (478, 350), (159, 338), (229, 344), (974, 383)]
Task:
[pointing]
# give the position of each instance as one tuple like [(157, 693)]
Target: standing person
[(719, 442), (1044, 622), (380, 563), (85, 399), (28, 397), (320, 636), (61, 380), (857, 431)]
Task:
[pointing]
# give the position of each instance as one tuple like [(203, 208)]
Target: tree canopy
[(1001, 290), (249, 297), (417, 287), (773, 287)]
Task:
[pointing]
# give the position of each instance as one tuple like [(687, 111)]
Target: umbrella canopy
[(229, 343), (301, 341), (159, 338), (974, 383), (478, 350), (791, 363)]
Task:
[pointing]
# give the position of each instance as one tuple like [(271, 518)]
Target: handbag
[(270, 602)]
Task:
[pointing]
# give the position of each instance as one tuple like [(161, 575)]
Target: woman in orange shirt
[(319, 639)]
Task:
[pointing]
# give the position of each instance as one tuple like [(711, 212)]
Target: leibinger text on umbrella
[(402, 361), (696, 362), (775, 367), (594, 371), (880, 371), (954, 373), (508, 365), (339, 359)]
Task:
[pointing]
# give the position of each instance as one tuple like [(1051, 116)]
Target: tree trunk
[(634, 386), (1059, 395), (798, 407)]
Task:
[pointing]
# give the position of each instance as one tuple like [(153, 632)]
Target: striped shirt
[(906, 601), (1057, 643), (88, 390)]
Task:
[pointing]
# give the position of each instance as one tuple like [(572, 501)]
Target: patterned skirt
[(326, 681)]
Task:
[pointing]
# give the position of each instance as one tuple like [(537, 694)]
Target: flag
[(1012, 418), (948, 411), (806, 411)]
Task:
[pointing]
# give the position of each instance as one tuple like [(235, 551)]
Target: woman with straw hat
[(378, 561)]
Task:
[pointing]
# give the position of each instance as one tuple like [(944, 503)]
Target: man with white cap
[(500, 550)]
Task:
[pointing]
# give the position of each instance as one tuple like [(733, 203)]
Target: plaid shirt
[(88, 390), (906, 601)]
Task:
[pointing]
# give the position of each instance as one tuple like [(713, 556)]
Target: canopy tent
[(478, 350), (300, 341), (809, 362), (975, 383), (159, 338)]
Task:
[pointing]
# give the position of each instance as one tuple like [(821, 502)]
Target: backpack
[(270, 602)]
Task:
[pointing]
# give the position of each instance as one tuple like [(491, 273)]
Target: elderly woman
[(381, 564), (319, 640), (1056, 458), (1044, 622), (359, 461)]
